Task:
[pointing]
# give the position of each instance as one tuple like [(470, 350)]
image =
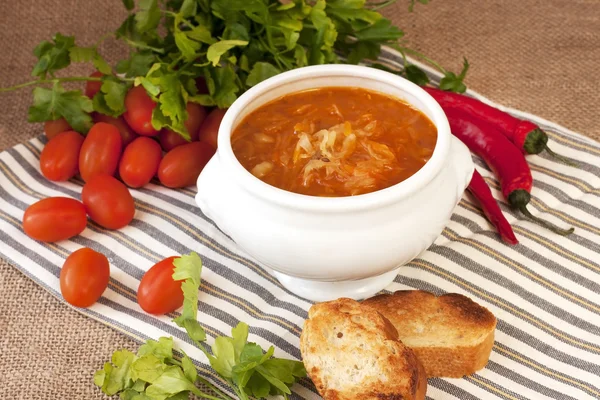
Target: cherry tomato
[(84, 277), (209, 129), (181, 166), (138, 114), (54, 219), (127, 134), (158, 292), (93, 87), (140, 161), (59, 160), (170, 139), (53, 128), (108, 202), (100, 152)]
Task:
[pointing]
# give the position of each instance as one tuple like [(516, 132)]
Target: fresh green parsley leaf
[(110, 100), (82, 54), (300, 56), (189, 369), (194, 330), (381, 30), (239, 336), (273, 380), (323, 41), (148, 17), (223, 358), (416, 75), (148, 368), (129, 4), (453, 83), (258, 386), (52, 56), (216, 50), (189, 8), (251, 353), (114, 93), (171, 110), (202, 34), (236, 31), (138, 385), (51, 104), (162, 349), (222, 85), (137, 65), (359, 51), (189, 269), (117, 376), (260, 72), (171, 382)]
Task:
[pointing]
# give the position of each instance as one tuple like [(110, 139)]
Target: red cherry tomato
[(53, 128), (100, 151), (140, 162), (138, 114), (209, 129), (54, 219), (93, 87), (127, 134), (158, 292), (59, 160), (181, 166), (108, 202), (170, 139), (84, 277)]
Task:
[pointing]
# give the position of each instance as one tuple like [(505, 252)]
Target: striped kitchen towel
[(545, 291)]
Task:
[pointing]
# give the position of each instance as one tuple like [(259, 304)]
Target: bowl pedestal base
[(324, 291)]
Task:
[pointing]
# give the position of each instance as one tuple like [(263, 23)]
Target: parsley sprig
[(231, 44), (155, 373)]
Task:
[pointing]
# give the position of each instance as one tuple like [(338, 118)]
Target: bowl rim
[(374, 199)]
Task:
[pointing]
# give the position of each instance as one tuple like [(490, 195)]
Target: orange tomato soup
[(334, 142)]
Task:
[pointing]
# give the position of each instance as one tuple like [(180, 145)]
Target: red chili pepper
[(481, 191), (509, 164), (526, 135)]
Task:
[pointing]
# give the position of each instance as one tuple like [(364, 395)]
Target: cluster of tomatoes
[(129, 148)]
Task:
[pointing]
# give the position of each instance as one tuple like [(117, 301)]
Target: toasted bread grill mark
[(451, 335), (352, 352)]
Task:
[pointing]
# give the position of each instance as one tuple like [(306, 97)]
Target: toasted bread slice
[(451, 335), (351, 351)]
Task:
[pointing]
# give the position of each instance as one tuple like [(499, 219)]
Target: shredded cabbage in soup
[(334, 142)]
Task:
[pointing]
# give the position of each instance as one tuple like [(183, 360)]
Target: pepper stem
[(519, 199), (562, 159), (546, 224)]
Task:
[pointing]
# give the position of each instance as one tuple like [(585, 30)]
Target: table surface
[(539, 56)]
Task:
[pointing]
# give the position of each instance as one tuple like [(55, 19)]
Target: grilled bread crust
[(351, 351), (451, 335)]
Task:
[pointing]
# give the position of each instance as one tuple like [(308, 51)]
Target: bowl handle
[(208, 187), (461, 163)]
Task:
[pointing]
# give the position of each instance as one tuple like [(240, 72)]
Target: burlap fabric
[(539, 56)]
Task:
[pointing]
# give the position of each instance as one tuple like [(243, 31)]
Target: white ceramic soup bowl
[(322, 248)]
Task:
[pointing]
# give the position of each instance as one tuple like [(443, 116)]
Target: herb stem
[(200, 393), (212, 387), (55, 80), (422, 57), (103, 38), (144, 46)]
